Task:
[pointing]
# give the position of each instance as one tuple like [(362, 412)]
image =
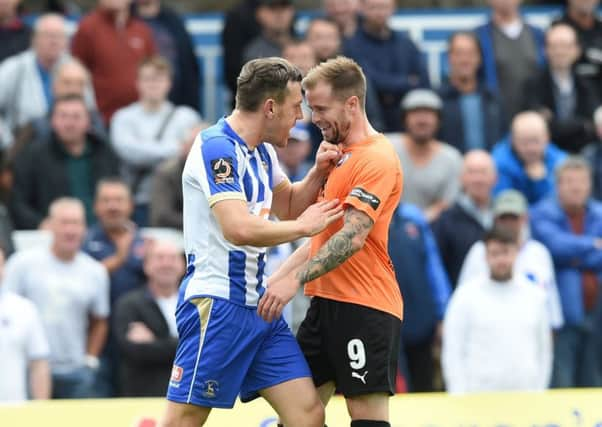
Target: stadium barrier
[(564, 408)]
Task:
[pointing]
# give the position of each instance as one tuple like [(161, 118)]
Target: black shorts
[(357, 347)]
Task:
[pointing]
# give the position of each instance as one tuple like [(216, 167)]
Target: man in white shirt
[(71, 291), (145, 323), (149, 131), (533, 261), (23, 349), (496, 333)]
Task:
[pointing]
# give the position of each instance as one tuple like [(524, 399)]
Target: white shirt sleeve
[(545, 348), (37, 343), (12, 279), (554, 307), (455, 335), (474, 264), (100, 303)]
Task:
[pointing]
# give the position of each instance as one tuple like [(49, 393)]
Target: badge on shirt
[(365, 197), (343, 159), (223, 172)]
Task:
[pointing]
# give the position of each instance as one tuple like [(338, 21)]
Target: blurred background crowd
[(96, 123)]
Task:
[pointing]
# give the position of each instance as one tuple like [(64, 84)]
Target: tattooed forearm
[(340, 247)]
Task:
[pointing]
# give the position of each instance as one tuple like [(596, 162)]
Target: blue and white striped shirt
[(220, 166)]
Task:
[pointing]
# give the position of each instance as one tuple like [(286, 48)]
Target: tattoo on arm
[(338, 248)]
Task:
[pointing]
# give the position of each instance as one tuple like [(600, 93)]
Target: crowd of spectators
[(497, 243)]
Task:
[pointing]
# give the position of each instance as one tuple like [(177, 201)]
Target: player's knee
[(313, 413), (178, 415), (318, 415)]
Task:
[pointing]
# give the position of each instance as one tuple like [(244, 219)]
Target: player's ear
[(269, 108), (352, 103)]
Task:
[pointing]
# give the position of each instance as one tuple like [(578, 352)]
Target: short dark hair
[(72, 97), (468, 34), (501, 235), (264, 78), (112, 180)]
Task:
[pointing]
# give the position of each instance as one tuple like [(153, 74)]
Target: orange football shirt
[(368, 178)]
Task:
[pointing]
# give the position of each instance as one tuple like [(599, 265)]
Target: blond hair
[(344, 75)]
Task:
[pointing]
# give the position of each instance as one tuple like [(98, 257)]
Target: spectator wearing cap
[(496, 332), (390, 60), (15, 35), (294, 157), (526, 160), (111, 43), (471, 117), (173, 43), (431, 167), (569, 224), (149, 131), (275, 18), (166, 194), (566, 100), (465, 222), (533, 261), (513, 51), (426, 290)]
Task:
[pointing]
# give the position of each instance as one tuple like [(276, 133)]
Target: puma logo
[(362, 378)]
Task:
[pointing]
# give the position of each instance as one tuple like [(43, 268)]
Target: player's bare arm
[(241, 228), (290, 201), (340, 247), (292, 264)]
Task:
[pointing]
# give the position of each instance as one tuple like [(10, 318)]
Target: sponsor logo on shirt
[(223, 172), (343, 159), (365, 197), (176, 373)]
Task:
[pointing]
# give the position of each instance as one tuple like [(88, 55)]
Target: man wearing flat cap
[(533, 260), (431, 167)]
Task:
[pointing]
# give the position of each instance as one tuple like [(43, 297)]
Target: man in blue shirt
[(526, 160), (472, 116), (425, 289), (390, 60), (117, 244), (569, 224)]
